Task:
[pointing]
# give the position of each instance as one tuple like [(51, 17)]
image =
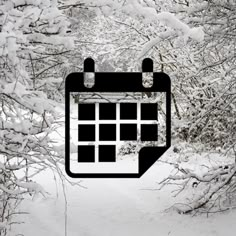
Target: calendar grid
[(118, 122)]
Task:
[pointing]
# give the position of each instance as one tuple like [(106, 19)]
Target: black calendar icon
[(106, 111)]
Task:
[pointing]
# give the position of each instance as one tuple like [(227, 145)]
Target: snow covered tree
[(201, 67), (208, 90), (205, 81), (33, 62)]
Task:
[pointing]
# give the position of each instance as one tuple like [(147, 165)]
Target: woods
[(41, 42)]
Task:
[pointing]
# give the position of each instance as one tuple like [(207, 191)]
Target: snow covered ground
[(116, 207)]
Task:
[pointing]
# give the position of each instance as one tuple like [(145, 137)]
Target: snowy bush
[(33, 46), (129, 148), (205, 179), (206, 91), (200, 65)]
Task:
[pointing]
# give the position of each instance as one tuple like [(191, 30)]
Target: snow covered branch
[(211, 185)]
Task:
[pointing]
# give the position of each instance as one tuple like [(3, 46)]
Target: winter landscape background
[(191, 189)]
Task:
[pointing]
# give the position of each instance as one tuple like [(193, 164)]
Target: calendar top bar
[(118, 82)]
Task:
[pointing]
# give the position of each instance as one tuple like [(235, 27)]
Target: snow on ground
[(116, 207)]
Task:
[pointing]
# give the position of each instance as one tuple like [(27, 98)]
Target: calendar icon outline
[(113, 82)]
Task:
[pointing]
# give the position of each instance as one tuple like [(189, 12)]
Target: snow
[(31, 187), (29, 2), (175, 24), (172, 21), (15, 87), (196, 34), (68, 42), (134, 8), (119, 206), (147, 10), (3, 225), (116, 207), (148, 46), (12, 48), (103, 206)]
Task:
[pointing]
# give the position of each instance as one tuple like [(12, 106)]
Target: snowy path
[(117, 207)]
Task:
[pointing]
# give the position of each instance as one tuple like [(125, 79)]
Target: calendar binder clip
[(147, 72), (89, 72), (109, 111)]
